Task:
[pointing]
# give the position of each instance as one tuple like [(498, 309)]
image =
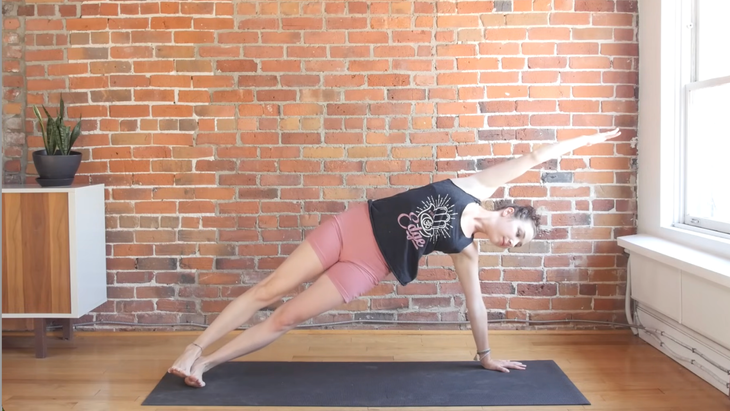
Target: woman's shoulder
[(473, 187)]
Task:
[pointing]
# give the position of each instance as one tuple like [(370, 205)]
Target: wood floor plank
[(100, 371)]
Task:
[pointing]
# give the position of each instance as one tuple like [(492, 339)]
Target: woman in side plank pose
[(358, 248)]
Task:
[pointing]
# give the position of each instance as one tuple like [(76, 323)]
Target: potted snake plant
[(56, 163)]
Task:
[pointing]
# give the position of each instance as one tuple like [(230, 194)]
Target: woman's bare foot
[(181, 367), (195, 379)]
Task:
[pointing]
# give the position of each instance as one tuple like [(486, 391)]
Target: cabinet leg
[(68, 329), (41, 345)]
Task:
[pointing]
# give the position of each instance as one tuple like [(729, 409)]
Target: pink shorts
[(347, 250)]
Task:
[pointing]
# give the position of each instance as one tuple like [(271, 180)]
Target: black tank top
[(416, 222)]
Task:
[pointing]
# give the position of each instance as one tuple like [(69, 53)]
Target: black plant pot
[(56, 170)]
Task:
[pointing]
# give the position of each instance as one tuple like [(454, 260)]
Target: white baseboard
[(674, 344)]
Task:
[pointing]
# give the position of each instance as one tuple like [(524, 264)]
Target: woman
[(358, 248)]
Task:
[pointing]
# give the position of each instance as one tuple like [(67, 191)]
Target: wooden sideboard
[(53, 254)]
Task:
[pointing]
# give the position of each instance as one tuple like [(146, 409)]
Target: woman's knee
[(284, 318), (266, 293)]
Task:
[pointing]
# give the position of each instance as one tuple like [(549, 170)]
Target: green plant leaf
[(50, 128), (65, 139), (43, 127), (52, 136), (61, 110), (75, 134), (59, 136), (48, 115), (61, 142)]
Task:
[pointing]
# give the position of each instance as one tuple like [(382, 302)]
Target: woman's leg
[(318, 298), (301, 266)]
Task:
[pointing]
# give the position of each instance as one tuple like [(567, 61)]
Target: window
[(706, 154)]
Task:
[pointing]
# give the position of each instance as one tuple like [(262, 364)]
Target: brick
[(570, 19), (613, 19), (151, 263), (627, 6), (521, 261), (527, 191), (428, 303), (557, 177), (457, 21), (534, 48), (539, 92), (595, 5), (620, 49), (523, 275), (526, 19), (629, 106), (537, 290), (572, 247), (614, 220), (501, 49), (570, 191), (529, 303), (570, 219), (592, 33), (571, 303), (580, 48), (615, 191)]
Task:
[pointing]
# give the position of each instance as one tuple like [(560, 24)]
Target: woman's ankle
[(206, 363)]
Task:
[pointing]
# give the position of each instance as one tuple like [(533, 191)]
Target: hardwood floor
[(102, 371)]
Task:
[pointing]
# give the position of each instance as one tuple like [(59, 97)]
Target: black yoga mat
[(370, 384)]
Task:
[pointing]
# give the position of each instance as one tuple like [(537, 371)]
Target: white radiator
[(685, 312)]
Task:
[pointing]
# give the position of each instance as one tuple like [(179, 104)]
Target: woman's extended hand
[(501, 365), (601, 137)]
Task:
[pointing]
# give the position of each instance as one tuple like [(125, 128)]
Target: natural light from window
[(713, 33), (708, 185), (707, 196)]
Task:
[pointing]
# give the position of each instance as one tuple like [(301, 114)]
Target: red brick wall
[(225, 130)]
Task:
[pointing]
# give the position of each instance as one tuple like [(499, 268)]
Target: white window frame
[(688, 82), (665, 67)]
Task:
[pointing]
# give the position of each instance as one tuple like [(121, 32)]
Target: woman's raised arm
[(502, 173)]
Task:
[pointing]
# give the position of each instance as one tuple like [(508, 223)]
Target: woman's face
[(511, 232)]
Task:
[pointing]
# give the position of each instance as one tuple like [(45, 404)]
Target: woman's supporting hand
[(501, 365)]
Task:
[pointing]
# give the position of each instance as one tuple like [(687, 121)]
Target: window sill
[(705, 265)]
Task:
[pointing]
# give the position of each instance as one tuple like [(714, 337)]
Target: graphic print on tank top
[(431, 221), (417, 222)]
